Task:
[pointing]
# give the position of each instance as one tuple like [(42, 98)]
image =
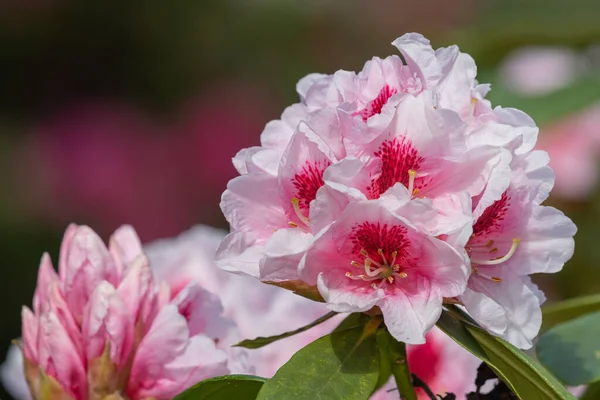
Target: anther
[(354, 263), (396, 268), (403, 275), (390, 279), (494, 250), (496, 279), (293, 224), (489, 243), (411, 180), (364, 253)]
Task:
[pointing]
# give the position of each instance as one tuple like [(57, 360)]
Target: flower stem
[(401, 372)]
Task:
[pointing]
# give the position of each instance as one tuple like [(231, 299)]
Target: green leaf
[(300, 288), (352, 321), (569, 309), (572, 350), (342, 365), (385, 361), (456, 329), (263, 341), (238, 387), (528, 379)]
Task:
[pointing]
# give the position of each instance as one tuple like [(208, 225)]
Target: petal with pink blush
[(252, 203), (548, 243), (46, 277), (240, 252), (282, 254), (409, 315), (456, 86), (107, 322), (519, 303), (277, 133), (301, 173), (88, 263), (136, 286), (304, 84), (58, 357), (201, 360), (257, 160), (125, 246), (165, 341), (420, 57), (202, 311), (57, 305), (29, 330), (64, 249), (343, 296)]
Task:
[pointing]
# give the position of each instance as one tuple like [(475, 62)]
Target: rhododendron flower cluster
[(400, 187), (102, 327)]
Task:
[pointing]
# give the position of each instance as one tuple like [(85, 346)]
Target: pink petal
[(29, 330), (88, 263), (107, 321), (124, 246), (58, 356), (46, 276)]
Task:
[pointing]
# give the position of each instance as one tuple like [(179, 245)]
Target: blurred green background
[(117, 112)]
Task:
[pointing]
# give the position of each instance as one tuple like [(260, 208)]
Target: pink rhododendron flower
[(520, 71), (102, 326), (372, 256), (257, 309), (442, 364), (393, 186), (574, 146)]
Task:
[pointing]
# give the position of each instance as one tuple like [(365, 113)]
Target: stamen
[(390, 279), (496, 279), (293, 224), (500, 260), (396, 268), (374, 286), (489, 244), (296, 204), (380, 252), (355, 278), (394, 255), (354, 264), (411, 180), (402, 275), (364, 253), (494, 250)]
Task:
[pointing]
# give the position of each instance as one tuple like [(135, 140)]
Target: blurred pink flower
[(442, 364), (521, 70), (109, 162), (257, 309), (574, 146), (101, 325)]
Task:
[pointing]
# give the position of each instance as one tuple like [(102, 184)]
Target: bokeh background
[(117, 112)]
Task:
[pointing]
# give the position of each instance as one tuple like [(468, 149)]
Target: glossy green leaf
[(342, 365), (263, 341), (456, 329), (528, 379), (238, 387), (572, 350), (569, 309), (352, 321), (385, 361)]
